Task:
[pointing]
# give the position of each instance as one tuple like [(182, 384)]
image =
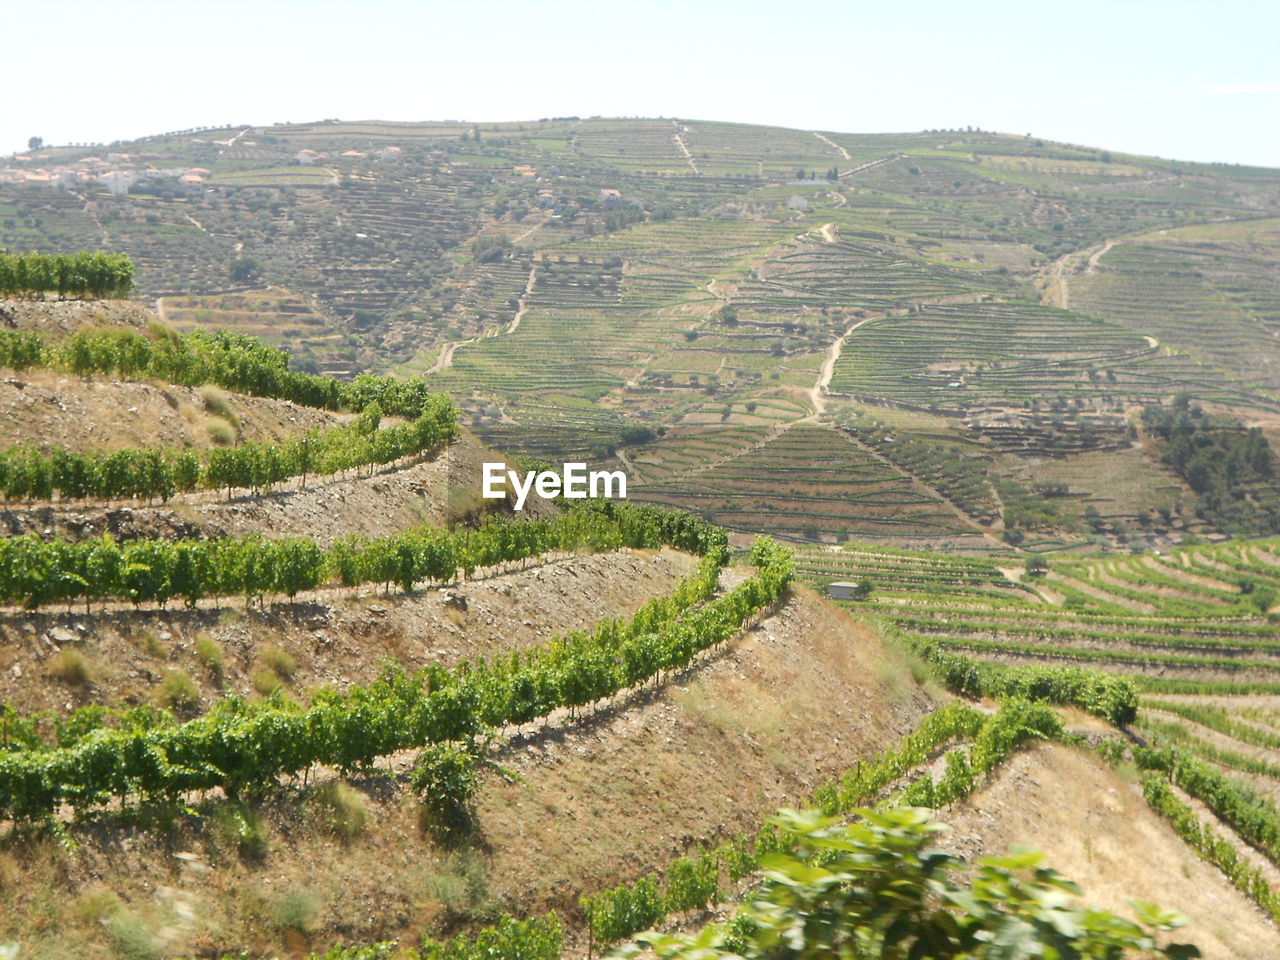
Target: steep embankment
[(52, 410), (1096, 828), (592, 801), (794, 701), (333, 637), (433, 490), (59, 317)]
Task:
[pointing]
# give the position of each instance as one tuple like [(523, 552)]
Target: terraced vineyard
[(1198, 615), (1174, 285), (1195, 630), (969, 355), (573, 283), (806, 481)]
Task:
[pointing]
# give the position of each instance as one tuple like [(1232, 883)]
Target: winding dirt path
[(815, 393), (831, 143), (1055, 292), (521, 306), (684, 149), (445, 359)]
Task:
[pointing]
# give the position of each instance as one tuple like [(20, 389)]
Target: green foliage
[(36, 572), (228, 360), (1238, 805), (876, 889), (20, 349), (97, 275), (1221, 460), (537, 938), (1211, 845), (1109, 696), (1253, 815), (445, 777), (614, 914), (26, 473), (239, 747)]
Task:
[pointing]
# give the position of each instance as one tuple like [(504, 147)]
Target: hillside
[(705, 755), (276, 681), (1094, 826), (981, 316)]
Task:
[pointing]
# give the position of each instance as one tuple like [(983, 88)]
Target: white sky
[(1194, 81)]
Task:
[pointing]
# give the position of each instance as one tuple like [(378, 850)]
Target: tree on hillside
[(35, 143), (243, 270)]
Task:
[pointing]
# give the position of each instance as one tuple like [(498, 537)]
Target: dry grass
[(294, 911), (218, 403), (339, 809), (220, 432), (282, 664), (1095, 828), (265, 682), (71, 667), (148, 641)]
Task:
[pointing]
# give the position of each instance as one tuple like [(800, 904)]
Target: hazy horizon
[(1137, 79)]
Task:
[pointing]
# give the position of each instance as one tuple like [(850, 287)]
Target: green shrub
[(209, 655), (278, 662), (445, 777), (239, 829), (177, 691), (876, 888)]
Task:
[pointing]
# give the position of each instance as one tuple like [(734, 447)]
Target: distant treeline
[(98, 275)]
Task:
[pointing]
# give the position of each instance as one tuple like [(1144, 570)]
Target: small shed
[(842, 590)]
